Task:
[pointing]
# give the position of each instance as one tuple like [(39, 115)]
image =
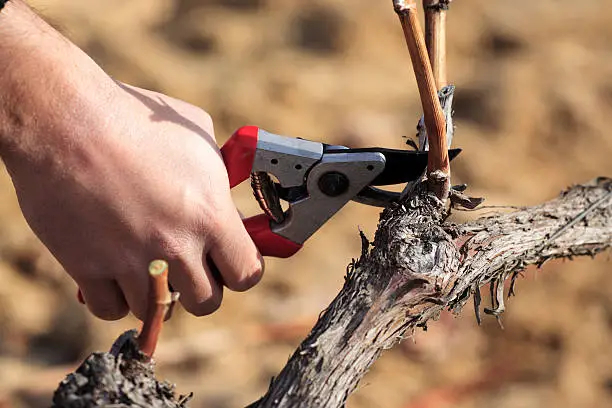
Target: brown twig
[(435, 38), (435, 122), (161, 301)]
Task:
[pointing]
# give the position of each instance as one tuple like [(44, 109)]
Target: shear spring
[(266, 195)]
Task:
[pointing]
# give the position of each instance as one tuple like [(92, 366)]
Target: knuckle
[(212, 221), (109, 313), (251, 276), (206, 121), (207, 306)]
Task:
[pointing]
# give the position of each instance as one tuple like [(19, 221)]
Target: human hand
[(149, 184), (110, 177)]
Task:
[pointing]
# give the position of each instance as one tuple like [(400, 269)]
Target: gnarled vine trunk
[(420, 264)]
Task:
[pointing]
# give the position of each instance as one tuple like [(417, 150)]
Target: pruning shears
[(315, 179)]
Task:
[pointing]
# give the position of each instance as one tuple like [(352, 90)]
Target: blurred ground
[(534, 112)]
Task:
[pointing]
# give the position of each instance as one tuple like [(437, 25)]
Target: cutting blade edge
[(401, 166)]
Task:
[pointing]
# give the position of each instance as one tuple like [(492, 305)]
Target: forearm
[(47, 89)]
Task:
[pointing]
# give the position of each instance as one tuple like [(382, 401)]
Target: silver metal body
[(296, 162), (286, 158)]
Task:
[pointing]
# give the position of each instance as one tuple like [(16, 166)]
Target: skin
[(110, 176)]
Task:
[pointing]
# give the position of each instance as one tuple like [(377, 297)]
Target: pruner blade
[(401, 166)]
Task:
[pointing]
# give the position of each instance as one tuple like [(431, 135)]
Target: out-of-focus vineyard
[(533, 114)]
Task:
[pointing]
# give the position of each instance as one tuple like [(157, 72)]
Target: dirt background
[(533, 110)]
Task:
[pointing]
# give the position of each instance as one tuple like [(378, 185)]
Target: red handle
[(268, 242), (239, 153)]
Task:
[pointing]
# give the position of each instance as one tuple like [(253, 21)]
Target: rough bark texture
[(420, 264), (122, 378)]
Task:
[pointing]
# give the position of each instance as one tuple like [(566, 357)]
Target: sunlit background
[(534, 115)]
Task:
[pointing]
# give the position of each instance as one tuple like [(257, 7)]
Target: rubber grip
[(239, 153), (268, 242)]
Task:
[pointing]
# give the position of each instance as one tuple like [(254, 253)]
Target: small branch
[(435, 38), (159, 308), (432, 111)]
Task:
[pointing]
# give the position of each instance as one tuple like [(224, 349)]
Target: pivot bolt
[(333, 183)]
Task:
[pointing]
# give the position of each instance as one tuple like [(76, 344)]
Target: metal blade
[(401, 166), (376, 197)]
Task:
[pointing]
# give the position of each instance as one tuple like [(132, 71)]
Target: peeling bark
[(122, 378), (420, 264)]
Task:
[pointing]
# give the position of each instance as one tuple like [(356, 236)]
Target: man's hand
[(110, 177), (151, 185)]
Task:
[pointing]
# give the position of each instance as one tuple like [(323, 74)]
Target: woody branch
[(438, 166), (418, 266), (435, 38)]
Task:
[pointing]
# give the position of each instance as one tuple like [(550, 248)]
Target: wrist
[(53, 94)]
